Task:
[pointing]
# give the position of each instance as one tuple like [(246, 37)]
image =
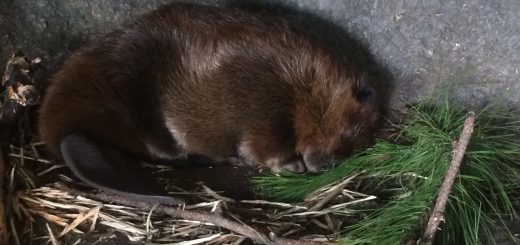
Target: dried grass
[(33, 196)]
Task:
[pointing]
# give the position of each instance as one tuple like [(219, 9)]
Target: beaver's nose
[(295, 165), (317, 162)]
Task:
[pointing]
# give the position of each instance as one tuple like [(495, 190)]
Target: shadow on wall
[(333, 35)]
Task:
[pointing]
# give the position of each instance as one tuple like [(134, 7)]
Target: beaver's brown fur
[(220, 82)]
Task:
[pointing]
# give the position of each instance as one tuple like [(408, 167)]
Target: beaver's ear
[(365, 94), (109, 169)]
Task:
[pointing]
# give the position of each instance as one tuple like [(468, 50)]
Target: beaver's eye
[(365, 94)]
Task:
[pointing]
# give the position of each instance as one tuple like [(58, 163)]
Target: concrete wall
[(414, 45)]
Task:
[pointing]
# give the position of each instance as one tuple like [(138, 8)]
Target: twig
[(335, 191), (442, 198), (14, 232), (215, 219), (29, 158), (3, 142), (81, 217)]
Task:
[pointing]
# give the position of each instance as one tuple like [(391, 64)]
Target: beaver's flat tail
[(107, 168)]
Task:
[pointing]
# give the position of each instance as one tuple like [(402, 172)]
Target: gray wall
[(473, 45)]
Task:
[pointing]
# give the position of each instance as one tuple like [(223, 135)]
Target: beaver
[(219, 82)]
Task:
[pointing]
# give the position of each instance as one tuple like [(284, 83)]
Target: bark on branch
[(444, 192)]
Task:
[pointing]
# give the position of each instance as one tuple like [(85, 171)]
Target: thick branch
[(447, 184), (215, 219)]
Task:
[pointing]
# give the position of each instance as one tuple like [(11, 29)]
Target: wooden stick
[(3, 142), (444, 192), (215, 219)]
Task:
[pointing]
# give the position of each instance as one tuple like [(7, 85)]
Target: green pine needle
[(481, 195)]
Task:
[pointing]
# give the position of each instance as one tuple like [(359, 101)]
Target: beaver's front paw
[(293, 164)]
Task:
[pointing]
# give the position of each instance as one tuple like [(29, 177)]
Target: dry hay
[(33, 195)]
